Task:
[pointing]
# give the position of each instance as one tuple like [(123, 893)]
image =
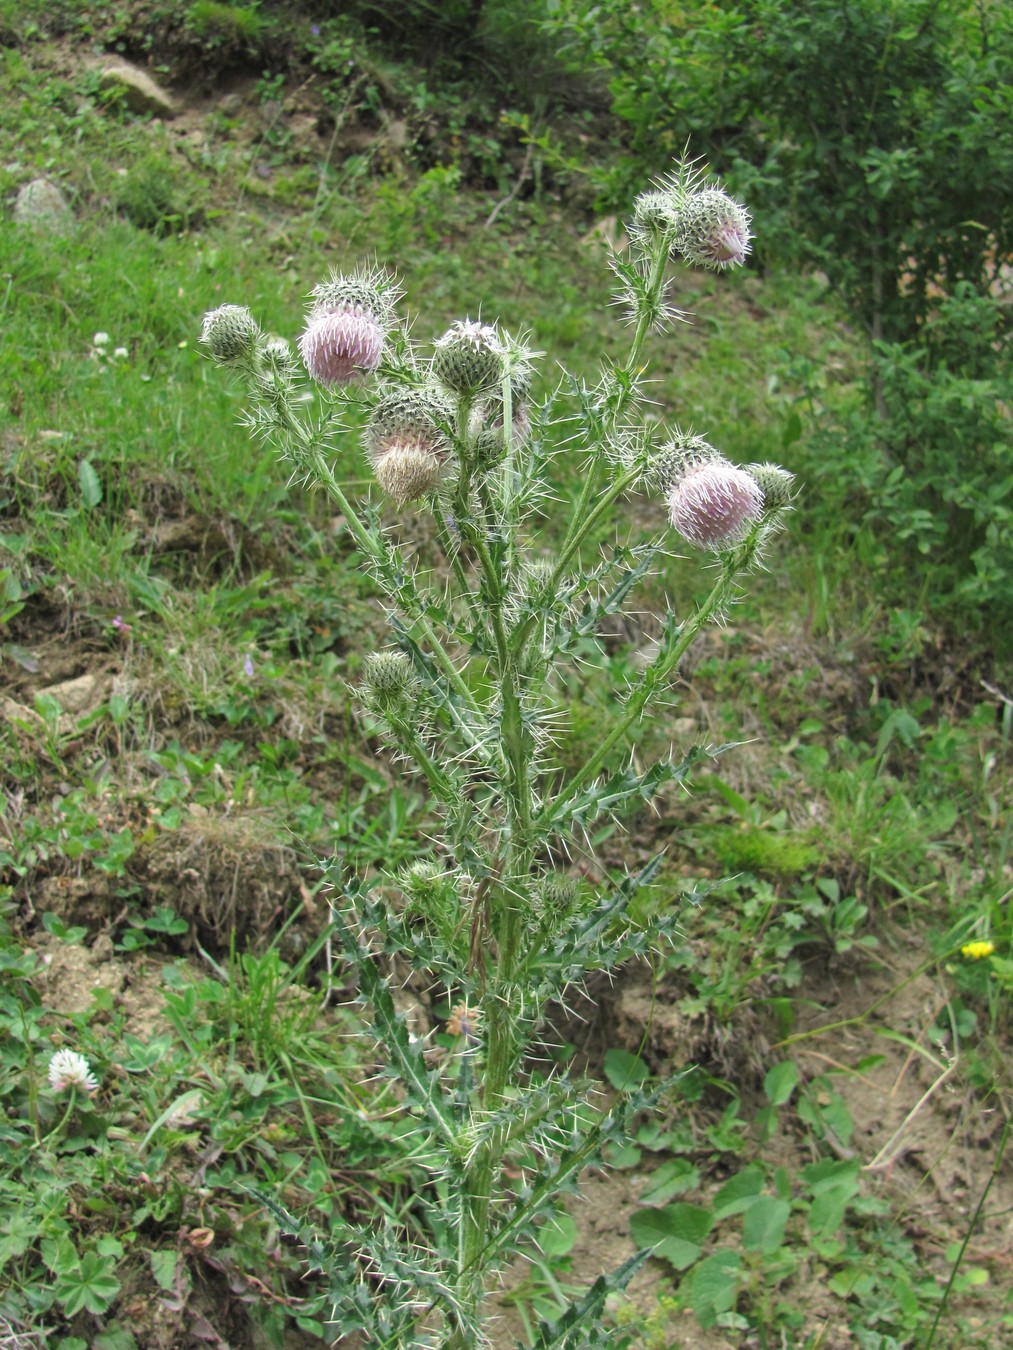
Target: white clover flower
[(120, 353), (68, 1069), (100, 340)]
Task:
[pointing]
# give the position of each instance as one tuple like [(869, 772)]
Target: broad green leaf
[(829, 1174), (739, 1192), (557, 1236), (91, 486), (780, 1082), (163, 1267), (625, 1071), (21, 1233), (713, 1286), (621, 1156), (675, 1232), (672, 1178), (763, 1226), (90, 1288)]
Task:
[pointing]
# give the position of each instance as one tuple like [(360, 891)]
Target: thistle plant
[(465, 693)]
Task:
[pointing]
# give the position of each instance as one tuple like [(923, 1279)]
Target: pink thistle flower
[(341, 345), (715, 505), (68, 1069)]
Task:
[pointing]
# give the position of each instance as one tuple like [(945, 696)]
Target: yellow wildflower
[(974, 951)]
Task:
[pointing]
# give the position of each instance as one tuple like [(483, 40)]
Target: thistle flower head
[(373, 292), (712, 230), (347, 325), (774, 482), (408, 471), (68, 1069), (469, 357), (341, 346), (464, 1021), (431, 894), (231, 335), (715, 505), (390, 687), (560, 893), (407, 442), (535, 578)]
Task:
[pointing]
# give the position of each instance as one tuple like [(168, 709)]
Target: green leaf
[(625, 1070), (163, 1267), (739, 1192), (780, 1082), (829, 1174), (713, 1286), (557, 1236), (763, 1226), (59, 1254), (90, 1288), (91, 486), (21, 1233), (675, 1232), (674, 1177), (622, 1156)]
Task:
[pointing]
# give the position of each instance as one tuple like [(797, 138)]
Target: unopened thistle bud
[(774, 482), (535, 578), (276, 366), (654, 213), (231, 335), (715, 505), (712, 230), (468, 358), (389, 684), (347, 326), (407, 443), (431, 894), (559, 893)]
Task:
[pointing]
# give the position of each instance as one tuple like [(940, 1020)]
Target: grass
[(179, 748)]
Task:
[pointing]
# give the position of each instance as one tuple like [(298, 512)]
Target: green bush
[(930, 473), (876, 137)]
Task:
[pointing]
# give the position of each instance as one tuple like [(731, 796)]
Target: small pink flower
[(68, 1069), (121, 625), (715, 505), (339, 346)]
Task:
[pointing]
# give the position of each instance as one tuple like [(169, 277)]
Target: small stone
[(42, 205), (140, 92)]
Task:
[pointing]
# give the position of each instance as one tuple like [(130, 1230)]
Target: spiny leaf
[(423, 1084), (580, 1318)]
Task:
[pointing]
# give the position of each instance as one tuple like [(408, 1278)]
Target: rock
[(41, 205), (140, 92), (79, 695)]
